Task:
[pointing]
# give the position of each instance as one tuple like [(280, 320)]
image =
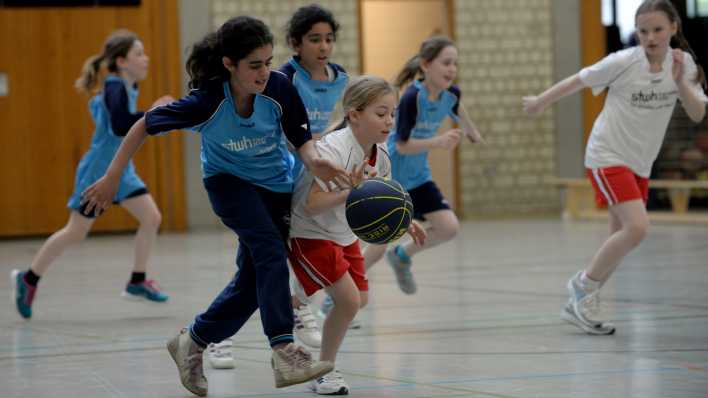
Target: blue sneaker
[(23, 293), (326, 307), (402, 269), (147, 290)]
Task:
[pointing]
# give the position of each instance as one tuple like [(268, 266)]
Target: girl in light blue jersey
[(421, 109), (247, 116), (113, 110), (312, 33)]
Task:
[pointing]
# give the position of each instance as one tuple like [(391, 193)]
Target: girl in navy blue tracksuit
[(248, 116), (113, 110)]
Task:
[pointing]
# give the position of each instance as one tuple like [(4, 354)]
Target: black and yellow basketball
[(379, 210)]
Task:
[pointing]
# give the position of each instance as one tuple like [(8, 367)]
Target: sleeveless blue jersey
[(113, 111), (319, 97), (418, 117)]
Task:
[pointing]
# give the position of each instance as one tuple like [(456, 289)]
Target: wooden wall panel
[(593, 37), (391, 32), (46, 127)]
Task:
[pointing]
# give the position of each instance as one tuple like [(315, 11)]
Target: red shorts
[(318, 263), (614, 185)]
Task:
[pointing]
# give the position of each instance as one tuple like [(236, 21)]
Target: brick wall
[(506, 52), (275, 13)]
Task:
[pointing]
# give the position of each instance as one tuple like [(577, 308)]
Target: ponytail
[(361, 92), (235, 39), (89, 73), (116, 46), (409, 72), (339, 124), (429, 50), (205, 63), (680, 41)]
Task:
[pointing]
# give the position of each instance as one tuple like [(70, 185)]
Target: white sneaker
[(582, 309), (221, 355), (330, 384), (294, 365), (306, 329)]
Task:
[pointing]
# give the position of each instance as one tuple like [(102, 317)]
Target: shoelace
[(591, 304), (299, 356), (305, 318), (332, 376), (221, 350), (194, 363), (152, 285), (30, 293)]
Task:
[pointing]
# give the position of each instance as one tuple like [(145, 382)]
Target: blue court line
[(412, 384), (433, 384)]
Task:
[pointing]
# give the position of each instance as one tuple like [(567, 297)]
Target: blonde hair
[(361, 92), (117, 45)]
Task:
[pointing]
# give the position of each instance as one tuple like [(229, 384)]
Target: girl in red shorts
[(643, 84), (324, 252)]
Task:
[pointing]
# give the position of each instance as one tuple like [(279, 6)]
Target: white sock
[(587, 283)]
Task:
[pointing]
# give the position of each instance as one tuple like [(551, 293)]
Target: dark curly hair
[(302, 21), (235, 39)]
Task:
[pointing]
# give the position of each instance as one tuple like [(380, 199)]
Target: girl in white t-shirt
[(643, 84), (324, 252)]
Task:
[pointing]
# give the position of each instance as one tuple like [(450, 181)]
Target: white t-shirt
[(342, 148), (631, 127)]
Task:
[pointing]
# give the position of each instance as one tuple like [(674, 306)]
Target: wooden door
[(391, 33), (46, 127)]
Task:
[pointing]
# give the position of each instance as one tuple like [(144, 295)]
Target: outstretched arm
[(535, 105), (468, 127), (322, 168)]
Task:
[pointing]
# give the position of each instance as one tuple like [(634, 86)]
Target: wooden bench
[(580, 200)]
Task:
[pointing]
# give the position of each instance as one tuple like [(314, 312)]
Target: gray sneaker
[(294, 365), (603, 328), (188, 358), (402, 269), (582, 308)]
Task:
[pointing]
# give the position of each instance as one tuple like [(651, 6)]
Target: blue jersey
[(418, 117), (252, 148), (319, 97), (114, 111)]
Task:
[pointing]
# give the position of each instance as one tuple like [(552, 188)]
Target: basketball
[(379, 210)]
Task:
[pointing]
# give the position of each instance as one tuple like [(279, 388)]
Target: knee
[(450, 229), (349, 306), (153, 220), (75, 236), (637, 231)]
